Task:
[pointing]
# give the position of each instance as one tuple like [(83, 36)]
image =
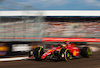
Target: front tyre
[(38, 52)]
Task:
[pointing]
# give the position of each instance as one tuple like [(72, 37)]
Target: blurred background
[(27, 24), (23, 26)]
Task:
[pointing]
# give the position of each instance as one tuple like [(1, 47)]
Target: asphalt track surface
[(93, 62)]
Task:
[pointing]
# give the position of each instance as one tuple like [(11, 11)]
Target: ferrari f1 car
[(64, 51)]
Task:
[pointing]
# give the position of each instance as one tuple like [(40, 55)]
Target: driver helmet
[(66, 42)]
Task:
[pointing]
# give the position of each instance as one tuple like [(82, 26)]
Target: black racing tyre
[(38, 52), (86, 52), (67, 55), (62, 53)]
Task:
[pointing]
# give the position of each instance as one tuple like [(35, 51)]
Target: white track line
[(12, 59)]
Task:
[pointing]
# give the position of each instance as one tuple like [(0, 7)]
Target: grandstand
[(57, 24)]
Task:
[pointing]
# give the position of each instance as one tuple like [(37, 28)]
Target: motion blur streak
[(12, 59)]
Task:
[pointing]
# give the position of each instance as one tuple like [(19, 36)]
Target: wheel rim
[(89, 52), (68, 54)]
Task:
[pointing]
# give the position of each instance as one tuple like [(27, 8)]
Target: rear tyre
[(38, 52), (86, 52)]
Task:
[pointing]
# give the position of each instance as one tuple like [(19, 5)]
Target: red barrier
[(71, 39), (48, 39)]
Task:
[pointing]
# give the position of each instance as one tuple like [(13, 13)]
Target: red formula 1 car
[(64, 51)]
